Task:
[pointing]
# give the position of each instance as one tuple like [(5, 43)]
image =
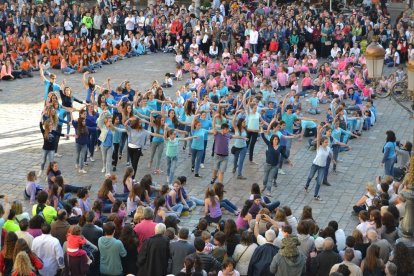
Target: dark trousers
[(134, 154), (59, 130), (115, 154), (252, 136)]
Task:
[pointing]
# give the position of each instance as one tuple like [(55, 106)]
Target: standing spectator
[(154, 254), (146, 228), (263, 255), (289, 261), (111, 251), (385, 247), (48, 249), (244, 252), (60, 226), (130, 241), (208, 262), (389, 157), (322, 263), (23, 234), (90, 231), (348, 257), (22, 265), (179, 250)]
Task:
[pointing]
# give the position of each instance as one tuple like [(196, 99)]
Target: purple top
[(31, 188), (221, 146), (85, 204), (241, 223), (215, 211)]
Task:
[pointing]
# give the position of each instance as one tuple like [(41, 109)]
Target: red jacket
[(176, 27)]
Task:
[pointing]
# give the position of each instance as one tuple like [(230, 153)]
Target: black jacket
[(321, 265), (261, 259), (154, 255)]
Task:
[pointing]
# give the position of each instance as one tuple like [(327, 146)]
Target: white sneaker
[(202, 166), (76, 166), (82, 171), (103, 170), (58, 155), (39, 174), (92, 160), (96, 149), (282, 172)]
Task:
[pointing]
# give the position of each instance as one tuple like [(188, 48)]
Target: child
[(178, 73), (76, 210), (168, 82), (32, 188), (314, 103), (75, 241), (84, 200), (228, 268), (179, 58), (119, 209), (206, 236)]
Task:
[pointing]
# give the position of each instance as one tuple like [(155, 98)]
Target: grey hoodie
[(288, 266)]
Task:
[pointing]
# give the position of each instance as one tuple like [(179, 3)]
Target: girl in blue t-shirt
[(389, 157)]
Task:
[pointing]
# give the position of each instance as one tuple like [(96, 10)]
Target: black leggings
[(134, 154), (252, 136), (115, 154)]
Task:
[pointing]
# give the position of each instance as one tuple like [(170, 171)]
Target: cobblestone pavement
[(21, 142)]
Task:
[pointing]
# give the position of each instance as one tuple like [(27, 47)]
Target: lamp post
[(407, 224), (410, 77), (374, 56)]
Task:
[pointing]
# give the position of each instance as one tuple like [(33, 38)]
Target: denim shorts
[(220, 162)]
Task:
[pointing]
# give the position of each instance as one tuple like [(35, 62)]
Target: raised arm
[(84, 81)]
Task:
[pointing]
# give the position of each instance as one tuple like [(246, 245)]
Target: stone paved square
[(20, 149)]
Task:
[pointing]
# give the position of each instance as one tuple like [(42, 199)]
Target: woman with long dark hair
[(130, 242), (372, 264)]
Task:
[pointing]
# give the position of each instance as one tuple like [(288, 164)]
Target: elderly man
[(348, 257), (384, 245), (322, 263), (179, 250), (146, 228), (263, 255), (154, 254)]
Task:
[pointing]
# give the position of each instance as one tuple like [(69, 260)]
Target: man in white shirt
[(48, 249), (109, 32), (353, 268)]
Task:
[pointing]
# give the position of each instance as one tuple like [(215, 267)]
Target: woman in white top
[(254, 38), (244, 252), (253, 126), (323, 151), (213, 52)]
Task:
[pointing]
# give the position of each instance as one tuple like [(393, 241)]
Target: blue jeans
[(68, 70), (319, 178), (178, 208), (270, 172), (335, 153), (196, 156), (47, 155), (287, 152), (197, 201), (171, 166), (270, 205), (239, 157), (226, 204), (389, 166), (204, 152), (81, 151)]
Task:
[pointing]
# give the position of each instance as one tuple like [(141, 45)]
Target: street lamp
[(374, 55), (410, 76), (407, 224)]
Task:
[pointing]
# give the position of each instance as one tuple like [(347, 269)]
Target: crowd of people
[(277, 74)]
